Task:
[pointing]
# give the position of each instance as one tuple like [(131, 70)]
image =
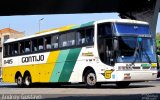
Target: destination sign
[(137, 29)]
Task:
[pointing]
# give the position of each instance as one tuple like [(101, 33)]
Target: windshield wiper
[(136, 52)]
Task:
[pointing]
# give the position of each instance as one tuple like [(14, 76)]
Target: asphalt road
[(136, 91)]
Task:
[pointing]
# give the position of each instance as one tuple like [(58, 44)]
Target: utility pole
[(39, 22)]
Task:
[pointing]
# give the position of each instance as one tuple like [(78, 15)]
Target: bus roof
[(122, 21), (70, 27)]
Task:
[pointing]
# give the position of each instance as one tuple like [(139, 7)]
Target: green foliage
[(158, 36), (158, 45), (158, 39)]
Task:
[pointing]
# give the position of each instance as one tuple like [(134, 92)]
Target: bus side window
[(40, 44), (89, 35), (21, 45), (27, 46), (55, 40), (80, 37), (34, 45), (63, 40), (47, 42), (71, 39), (15, 50), (10, 47)]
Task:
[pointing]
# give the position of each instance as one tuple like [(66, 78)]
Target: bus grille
[(145, 67)]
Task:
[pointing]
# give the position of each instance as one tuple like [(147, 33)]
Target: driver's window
[(104, 30)]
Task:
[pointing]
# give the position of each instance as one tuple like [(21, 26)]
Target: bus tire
[(90, 78), (122, 84), (27, 80), (19, 81)]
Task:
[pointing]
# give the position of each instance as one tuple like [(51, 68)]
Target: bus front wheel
[(90, 79)]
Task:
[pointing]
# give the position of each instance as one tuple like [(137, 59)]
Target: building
[(5, 34)]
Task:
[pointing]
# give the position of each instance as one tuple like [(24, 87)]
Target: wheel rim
[(91, 79), (19, 80), (27, 81)]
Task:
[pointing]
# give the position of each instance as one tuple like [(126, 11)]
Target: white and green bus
[(120, 51)]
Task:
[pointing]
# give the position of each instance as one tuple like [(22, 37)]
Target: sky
[(29, 24)]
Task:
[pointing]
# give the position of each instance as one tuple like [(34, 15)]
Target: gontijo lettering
[(32, 58)]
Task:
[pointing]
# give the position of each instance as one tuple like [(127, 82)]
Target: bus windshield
[(134, 49)]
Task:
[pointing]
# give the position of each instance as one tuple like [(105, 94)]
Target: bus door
[(105, 43)]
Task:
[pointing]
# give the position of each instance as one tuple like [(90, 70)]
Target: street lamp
[(40, 23)]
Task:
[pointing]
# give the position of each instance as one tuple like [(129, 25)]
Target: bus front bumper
[(136, 75)]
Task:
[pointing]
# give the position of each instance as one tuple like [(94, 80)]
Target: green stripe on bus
[(59, 65), (69, 65), (87, 24)]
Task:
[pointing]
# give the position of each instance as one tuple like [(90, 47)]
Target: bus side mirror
[(112, 58), (115, 44)]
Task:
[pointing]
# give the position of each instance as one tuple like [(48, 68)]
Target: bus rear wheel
[(90, 79), (19, 81), (27, 80)]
